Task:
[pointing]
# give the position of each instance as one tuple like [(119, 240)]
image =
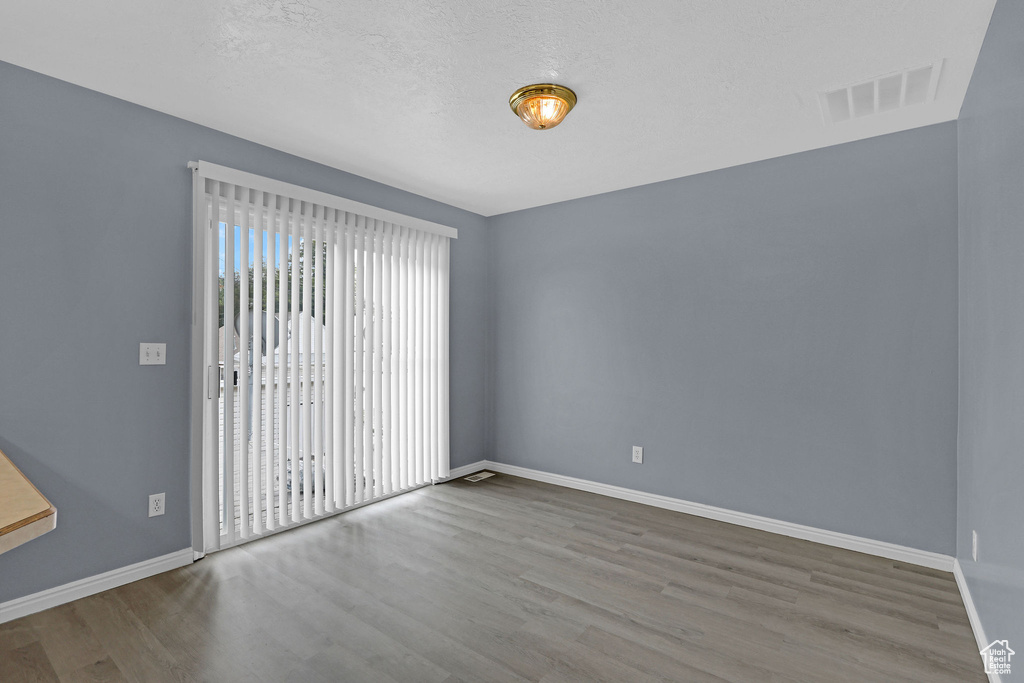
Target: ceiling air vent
[(882, 94)]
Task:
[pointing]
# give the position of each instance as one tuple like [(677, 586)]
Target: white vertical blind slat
[(306, 363), (432, 356), (257, 366), (295, 426), (369, 352), (420, 360), (376, 359), (330, 366), (228, 454), (244, 344), (425, 353), (403, 359), (316, 363), (281, 392), (348, 351), (271, 334), (386, 393), (442, 421), (410, 359), (358, 365)]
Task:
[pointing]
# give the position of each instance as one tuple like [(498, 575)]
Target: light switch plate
[(152, 354)]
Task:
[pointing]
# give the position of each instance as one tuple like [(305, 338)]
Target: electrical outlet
[(638, 454), (974, 545), (152, 354), (156, 504)]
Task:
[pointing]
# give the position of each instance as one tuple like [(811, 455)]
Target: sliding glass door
[(325, 355)]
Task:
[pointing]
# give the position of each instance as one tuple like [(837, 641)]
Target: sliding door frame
[(204, 372), (199, 384)]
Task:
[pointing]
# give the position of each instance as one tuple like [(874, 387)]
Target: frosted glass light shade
[(542, 106)]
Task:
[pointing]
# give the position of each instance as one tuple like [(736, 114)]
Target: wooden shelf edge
[(33, 525), (10, 528), (27, 532)]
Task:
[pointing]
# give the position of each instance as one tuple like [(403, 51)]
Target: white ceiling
[(414, 93)]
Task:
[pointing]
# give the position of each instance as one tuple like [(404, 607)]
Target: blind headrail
[(230, 175)]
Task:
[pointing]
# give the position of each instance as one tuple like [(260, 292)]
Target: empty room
[(511, 341)]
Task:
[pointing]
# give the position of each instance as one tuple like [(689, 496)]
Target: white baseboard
[(37, 602), (466, 470), (972, 614), (859, 544)]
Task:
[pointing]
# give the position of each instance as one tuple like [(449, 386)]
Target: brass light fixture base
[(522, 98)]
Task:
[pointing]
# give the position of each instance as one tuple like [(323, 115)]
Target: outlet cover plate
[(156, 504), (638, 454)]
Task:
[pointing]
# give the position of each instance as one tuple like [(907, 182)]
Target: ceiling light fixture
[(542, 106)]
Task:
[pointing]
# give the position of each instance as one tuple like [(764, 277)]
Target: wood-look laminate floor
[(511, 580)]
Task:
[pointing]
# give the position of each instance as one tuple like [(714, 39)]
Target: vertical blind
[(326, 352)]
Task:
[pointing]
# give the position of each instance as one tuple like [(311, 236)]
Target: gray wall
[(781, 338), (95, 256), (991, 459)]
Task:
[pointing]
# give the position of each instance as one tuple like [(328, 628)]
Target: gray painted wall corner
[(781, 337), (991, 254), (95, 223)]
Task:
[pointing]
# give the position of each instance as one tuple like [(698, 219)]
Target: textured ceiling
[(415, 93)]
